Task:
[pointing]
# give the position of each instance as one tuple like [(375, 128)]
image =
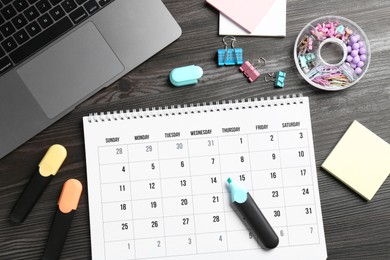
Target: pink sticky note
[(246, 13)]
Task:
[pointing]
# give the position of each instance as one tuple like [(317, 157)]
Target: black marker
[(252, 214), (47, 169)]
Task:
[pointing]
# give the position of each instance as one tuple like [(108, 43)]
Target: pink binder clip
[(250, 71)]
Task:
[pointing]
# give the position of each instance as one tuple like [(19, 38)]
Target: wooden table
[(354, 228)]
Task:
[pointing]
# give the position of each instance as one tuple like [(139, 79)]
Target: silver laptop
[(87, 45)]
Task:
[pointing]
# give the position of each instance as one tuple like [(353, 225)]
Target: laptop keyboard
[(26, 26)]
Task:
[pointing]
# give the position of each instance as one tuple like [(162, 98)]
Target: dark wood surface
[(354, 228)]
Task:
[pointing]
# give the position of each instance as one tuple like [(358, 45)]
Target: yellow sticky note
[(361, 160)]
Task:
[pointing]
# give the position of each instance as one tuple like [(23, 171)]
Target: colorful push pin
[(247, 206), (230, 56), (184, 76), (47, 169), (309, 44), (250, 71), (67, 206), (340, 29)]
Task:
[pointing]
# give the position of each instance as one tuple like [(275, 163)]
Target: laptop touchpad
[(70, 70)]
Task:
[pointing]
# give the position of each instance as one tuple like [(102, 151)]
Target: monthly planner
[(157, 180)]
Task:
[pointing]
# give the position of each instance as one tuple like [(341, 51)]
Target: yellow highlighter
[(67, 206), (47, 169)]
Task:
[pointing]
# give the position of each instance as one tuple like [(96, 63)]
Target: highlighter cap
[(70, 196), (187, 75), (52, 161), (238, 193)]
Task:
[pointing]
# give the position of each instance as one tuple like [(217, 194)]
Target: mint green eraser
[(187, 75)]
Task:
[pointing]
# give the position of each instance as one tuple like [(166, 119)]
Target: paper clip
[(229, 56), (278, 78), (250, 71)]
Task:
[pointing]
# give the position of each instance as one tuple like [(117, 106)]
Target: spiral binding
[(204, 107)]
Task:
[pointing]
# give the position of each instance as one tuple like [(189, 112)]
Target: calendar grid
[(234, 172), (158, 184), (131, 201), (275, 226), (284, 198), (162, 201), (195, 156), (223, 197), (314, 193), (100, 187), (193, 209), (249, 172)]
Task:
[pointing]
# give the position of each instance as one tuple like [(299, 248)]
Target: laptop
[(54, 54)]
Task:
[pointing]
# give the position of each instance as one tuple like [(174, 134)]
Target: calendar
[(157, 180)]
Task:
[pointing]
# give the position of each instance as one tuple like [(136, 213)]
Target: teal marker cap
[(184, 76), (238, 193)]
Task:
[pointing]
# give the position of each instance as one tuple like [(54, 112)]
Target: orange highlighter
[(67, 205)]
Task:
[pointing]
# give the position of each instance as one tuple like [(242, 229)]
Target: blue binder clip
[(278, 78), (229, 56)]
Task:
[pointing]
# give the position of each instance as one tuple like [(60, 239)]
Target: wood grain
[(354, 228)]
